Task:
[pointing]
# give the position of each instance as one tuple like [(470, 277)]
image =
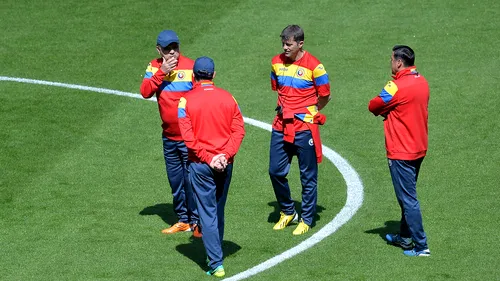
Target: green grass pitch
[(83, 190)]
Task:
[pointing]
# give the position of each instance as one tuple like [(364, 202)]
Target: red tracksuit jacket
[(210, 122), (169, 88), (404, 102)]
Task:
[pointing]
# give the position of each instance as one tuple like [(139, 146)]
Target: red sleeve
[(237, 133), (321, 79), (186, 129), (152, 80), (323, 90), (376, 106), (385, 101)]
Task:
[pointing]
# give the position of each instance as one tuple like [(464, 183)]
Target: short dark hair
[(294, 32), (404, 53)]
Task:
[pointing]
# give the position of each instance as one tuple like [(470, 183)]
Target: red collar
[(203, 83), (406, 71)]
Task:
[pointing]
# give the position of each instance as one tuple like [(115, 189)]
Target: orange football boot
[(196, 231), (178, 227)]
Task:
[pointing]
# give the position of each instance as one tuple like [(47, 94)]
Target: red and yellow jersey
[(299, 84), (168, 88), (404, 102), (210, 122)]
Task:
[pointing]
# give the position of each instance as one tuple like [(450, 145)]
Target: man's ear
[(301, 43), (158, 49), (400, 64), (213, 76)]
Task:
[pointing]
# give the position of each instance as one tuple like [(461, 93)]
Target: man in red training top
[(169, 78), (212, 128), (303, 89), (403, 103)]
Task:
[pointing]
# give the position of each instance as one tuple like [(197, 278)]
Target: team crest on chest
[(300, 72), (181, 75)]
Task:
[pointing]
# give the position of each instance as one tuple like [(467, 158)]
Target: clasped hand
[(219, 162)]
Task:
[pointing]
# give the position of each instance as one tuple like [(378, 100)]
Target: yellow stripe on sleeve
[(182, 103), (391, 88), (319, 70), (151, 69)]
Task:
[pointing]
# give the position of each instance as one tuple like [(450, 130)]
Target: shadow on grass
[(164, 211), (274, 216), (389, 227), (195, 250)]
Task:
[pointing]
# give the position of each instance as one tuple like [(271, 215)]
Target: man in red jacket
[(169, 78), (212, 127), (404, 105)]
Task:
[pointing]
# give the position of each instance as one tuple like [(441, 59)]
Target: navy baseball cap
[(167, 37), (204, 67)]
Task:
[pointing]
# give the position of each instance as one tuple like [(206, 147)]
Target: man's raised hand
[(168, 64)]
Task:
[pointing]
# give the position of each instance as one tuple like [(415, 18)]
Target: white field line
[(351, 177), (73, 86)]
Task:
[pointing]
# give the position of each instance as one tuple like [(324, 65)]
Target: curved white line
[(353, 203), (352, 179)]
